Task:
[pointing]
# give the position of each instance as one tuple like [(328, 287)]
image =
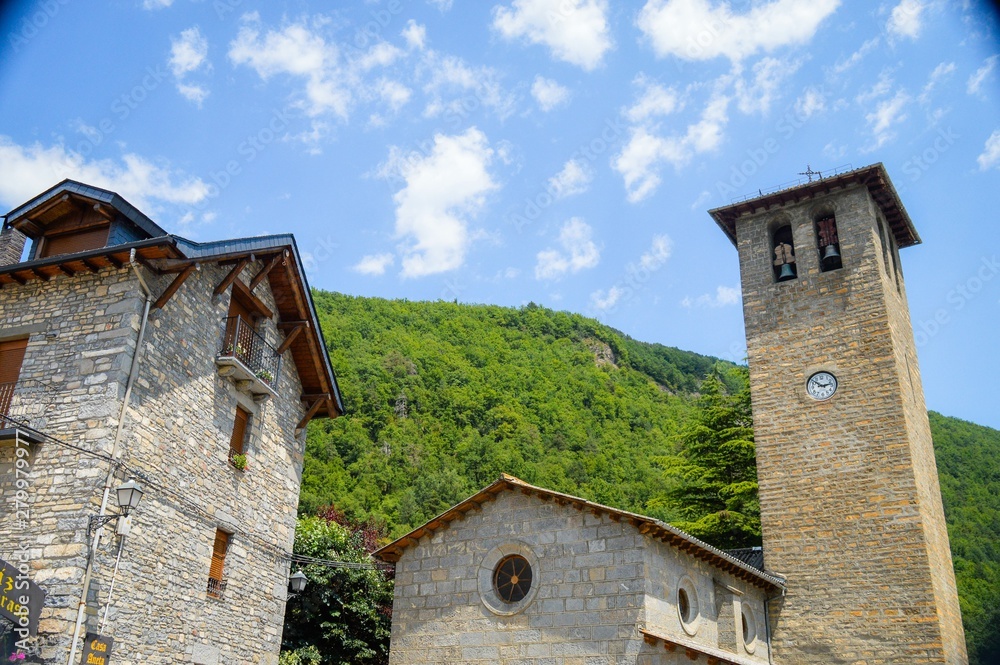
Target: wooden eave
[(647, 526), (874, 177), (92, 260), (161, 255), (694, 650)]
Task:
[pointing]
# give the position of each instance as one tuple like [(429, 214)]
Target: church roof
[(874, 177), (649, 527)]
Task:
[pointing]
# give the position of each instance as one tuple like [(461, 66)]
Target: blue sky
[(556, 151)]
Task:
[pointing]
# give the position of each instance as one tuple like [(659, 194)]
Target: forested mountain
[(443, 397)]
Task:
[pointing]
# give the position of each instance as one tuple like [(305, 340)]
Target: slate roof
[(163, 249), (874, 177)]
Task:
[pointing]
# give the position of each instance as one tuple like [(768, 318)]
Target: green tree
[(344, 615), (714, 490)]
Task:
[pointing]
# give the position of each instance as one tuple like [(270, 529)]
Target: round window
[(749, 627), (687, 606), (512, 578)]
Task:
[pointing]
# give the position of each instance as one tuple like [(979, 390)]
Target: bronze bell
[(831, 257), (787, 272)]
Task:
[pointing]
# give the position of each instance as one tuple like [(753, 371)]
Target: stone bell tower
[(850, 504)]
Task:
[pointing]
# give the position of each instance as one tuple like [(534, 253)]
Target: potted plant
[(239, 460), (265, 375)]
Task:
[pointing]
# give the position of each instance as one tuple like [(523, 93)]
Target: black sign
[(21, 599), (97, 650)]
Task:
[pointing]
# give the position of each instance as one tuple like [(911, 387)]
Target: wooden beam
[(116, 262), (310, 413), (66, 270), (40, 275), (169, 292), (231, 277), (91, 266), (259, 277), (285, 325), (289, 338), (17, 278)]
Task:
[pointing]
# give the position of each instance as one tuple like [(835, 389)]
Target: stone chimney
[(11, 245)]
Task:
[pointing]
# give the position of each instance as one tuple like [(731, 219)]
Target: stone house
[(193, 368), (518, 574)]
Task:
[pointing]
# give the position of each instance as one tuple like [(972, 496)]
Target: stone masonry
[(82, 336), (597, 583), (850, 504)]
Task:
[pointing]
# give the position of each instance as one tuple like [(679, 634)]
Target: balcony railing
[(257, 360), (6, 395), (216, 588)]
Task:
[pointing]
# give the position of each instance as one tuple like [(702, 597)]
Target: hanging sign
[(21, 599), (97, 650)]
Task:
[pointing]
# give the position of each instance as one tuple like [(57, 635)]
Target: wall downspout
[(767, 622), (109, 480)]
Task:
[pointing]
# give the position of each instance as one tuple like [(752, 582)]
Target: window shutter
[(239, 430), (70, 243), (219, 555), (11, 356)]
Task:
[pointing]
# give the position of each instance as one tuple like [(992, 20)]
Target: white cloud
[(650, 261), (572, 179), (940, 72), (27, 170), (856, 57), (976, 81), (548, 93), (295, 50), (156, 4), (577, 251), (768, 75), (374, 264), (415, 35), (443, 190), (576, 31), (602, 300), (702, 30), (393, 93), (382, 54), (812, 101), (888, 114), (905, 20), (192, 92), (654, 101), (477, 86), (658, 253), (188, 52), (646, 149), (724, 295), (991, 152)]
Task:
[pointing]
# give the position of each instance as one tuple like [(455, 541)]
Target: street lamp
[(128, 495), (297, 580)]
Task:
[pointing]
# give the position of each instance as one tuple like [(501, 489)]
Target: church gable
[(517, 573)]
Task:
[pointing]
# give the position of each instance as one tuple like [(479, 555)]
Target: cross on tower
[(809, 173)]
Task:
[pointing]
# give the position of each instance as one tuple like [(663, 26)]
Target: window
[(687, 606), (512, 578), (237, 442), (75, 241), (749, 623), (783, 248), (216, 583), (828, 244), (11, 357)]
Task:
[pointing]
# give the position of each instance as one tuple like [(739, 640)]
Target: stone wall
[(177, 432), (596, 583), (850, 508)]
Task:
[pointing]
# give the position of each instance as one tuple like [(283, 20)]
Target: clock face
[(821, 385)]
